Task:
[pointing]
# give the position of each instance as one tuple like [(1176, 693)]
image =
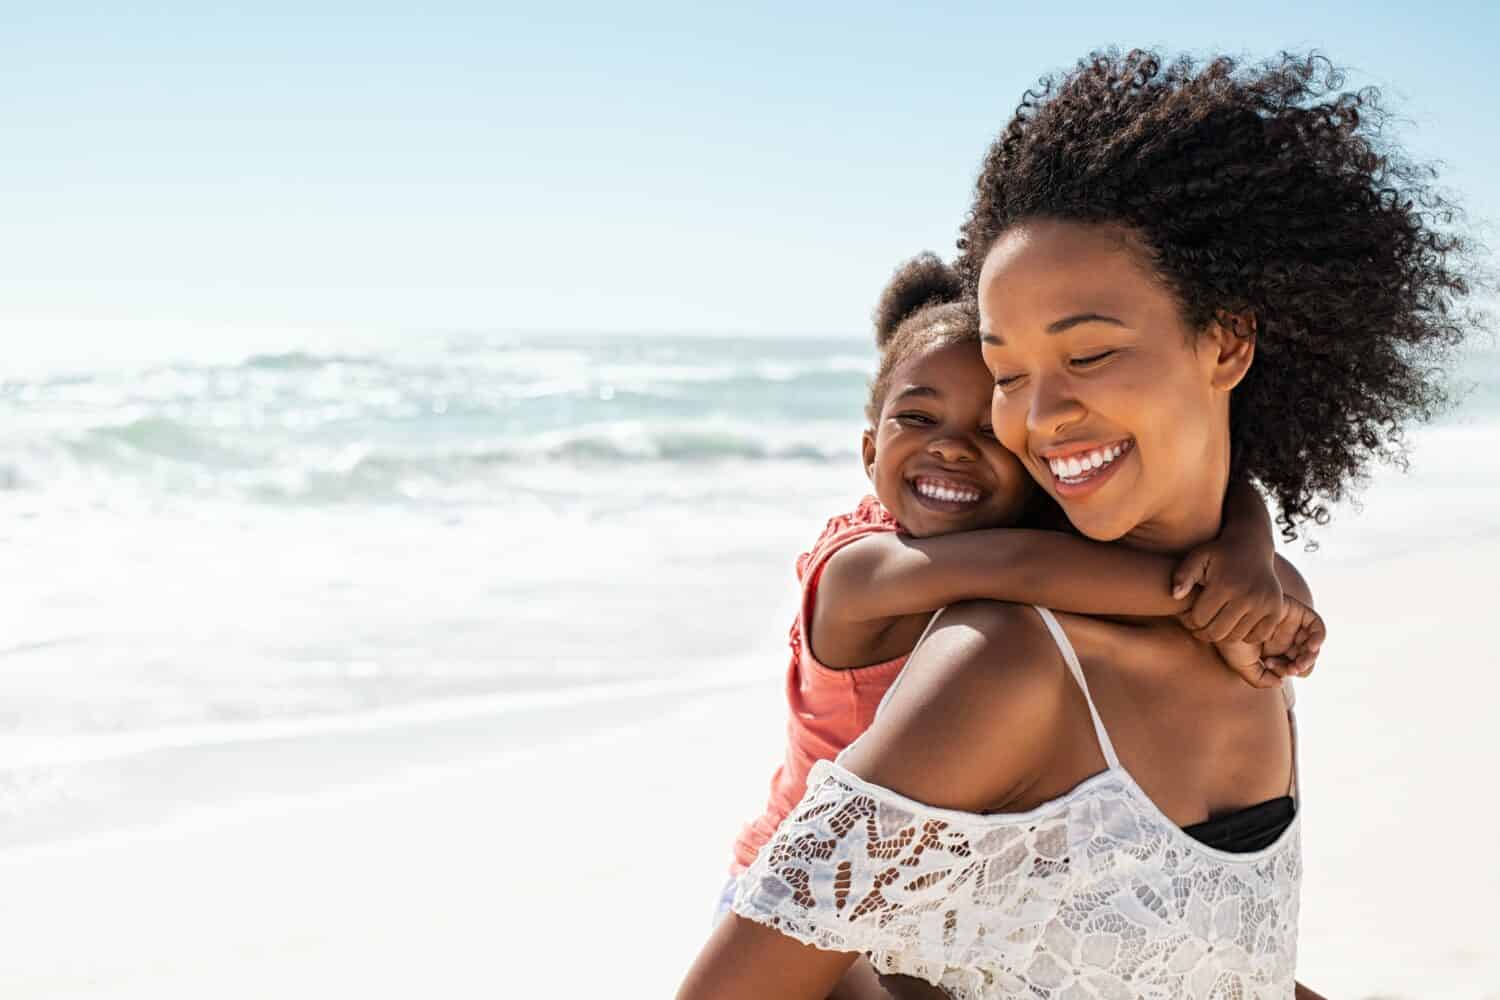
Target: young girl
[(940, 530)]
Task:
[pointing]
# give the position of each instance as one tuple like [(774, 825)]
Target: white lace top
[(1093, 895)]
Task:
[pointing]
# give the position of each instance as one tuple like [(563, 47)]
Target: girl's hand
[(1293, 647), (1290, 651), (1239, 597)]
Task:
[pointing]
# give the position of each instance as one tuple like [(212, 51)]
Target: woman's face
[(1114, 404)]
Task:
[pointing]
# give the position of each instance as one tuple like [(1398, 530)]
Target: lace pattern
[(1093, 895)]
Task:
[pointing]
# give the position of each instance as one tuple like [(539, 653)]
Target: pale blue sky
[(572, 166)]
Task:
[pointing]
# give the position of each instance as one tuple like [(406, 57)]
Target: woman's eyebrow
[(1068, 322), (1058, 326)]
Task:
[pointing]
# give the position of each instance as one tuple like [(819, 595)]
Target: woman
[(1182, 272)]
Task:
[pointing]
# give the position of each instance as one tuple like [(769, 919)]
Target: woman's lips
[(1077, 472)]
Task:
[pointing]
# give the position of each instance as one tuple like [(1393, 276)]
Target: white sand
[(576, 851)]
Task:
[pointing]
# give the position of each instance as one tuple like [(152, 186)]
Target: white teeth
[(945, 493), (1076, 465)]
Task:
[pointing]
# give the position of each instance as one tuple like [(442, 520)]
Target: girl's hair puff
[(1269, 191), (924, 306)]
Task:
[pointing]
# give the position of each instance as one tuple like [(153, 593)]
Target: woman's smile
[(1099, 380), (1080, 469)]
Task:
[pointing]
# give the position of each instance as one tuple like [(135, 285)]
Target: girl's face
[(933, 458), (1116, 406)]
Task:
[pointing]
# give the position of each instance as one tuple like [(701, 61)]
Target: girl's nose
[(953, 448)]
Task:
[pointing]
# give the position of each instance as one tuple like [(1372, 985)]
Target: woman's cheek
[(1008, 417)]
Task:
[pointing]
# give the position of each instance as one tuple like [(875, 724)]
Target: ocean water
[(209, 545), (204, 547)]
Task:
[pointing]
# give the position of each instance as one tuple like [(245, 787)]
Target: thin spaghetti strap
[(1060, 637), (902, 673), (1290, 694)]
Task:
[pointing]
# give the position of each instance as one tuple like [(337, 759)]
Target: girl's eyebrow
[(1058, 326), (917, 390)]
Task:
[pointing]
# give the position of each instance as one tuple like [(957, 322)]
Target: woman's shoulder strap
[(1106, 745)]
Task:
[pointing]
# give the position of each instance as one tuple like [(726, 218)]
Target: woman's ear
[(867, 453), (1232, 340)]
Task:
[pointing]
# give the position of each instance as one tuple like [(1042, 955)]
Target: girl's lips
[(960, 497)]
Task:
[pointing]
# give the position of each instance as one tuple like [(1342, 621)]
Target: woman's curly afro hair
[(924, 306), (1264, 190)]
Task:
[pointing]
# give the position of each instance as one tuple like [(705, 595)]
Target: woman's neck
[(1197, 519)]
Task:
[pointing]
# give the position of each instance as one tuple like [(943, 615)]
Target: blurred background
[(409, 418)]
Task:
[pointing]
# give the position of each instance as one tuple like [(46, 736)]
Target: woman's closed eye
[(1091, 359), (1079, 363)]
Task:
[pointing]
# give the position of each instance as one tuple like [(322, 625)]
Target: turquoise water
[(465, 419), (459, 419)]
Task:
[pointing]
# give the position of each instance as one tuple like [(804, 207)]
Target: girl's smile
[(947, 493), (932, 456)]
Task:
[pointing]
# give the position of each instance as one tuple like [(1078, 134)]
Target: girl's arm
[(888, 576), (1238, 602), (1239, 597)]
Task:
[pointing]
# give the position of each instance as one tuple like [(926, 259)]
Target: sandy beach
[(573, 848)]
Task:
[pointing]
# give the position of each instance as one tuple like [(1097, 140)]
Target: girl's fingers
[(1315, 630), (1284, 636), (1224, 624), (1269, 676), (1278, 667), (1189, 573), (1203, 612), (1262, 631), (1249, 623)]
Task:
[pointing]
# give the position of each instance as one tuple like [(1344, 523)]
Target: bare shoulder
[(991, 646), (1292, 582), (854, 563), (977, 712)]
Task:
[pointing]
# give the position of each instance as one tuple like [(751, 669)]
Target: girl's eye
[(1090, 359), (915, 419)]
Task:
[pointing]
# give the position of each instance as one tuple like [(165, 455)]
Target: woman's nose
[(1053, 406)]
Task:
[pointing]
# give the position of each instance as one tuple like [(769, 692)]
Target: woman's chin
[(1096, 528)]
